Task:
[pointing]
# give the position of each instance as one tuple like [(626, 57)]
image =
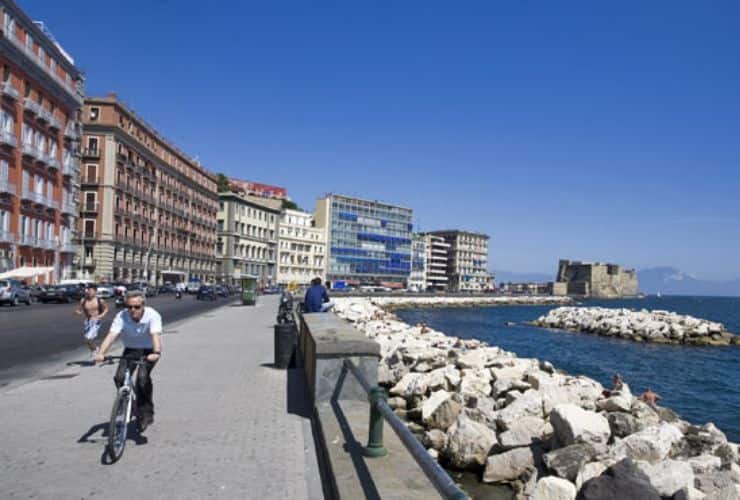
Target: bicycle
[(123, 408)]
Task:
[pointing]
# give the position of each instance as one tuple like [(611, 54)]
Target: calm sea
[(702, 384)]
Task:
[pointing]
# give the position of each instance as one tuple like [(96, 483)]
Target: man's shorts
[(92, 326)]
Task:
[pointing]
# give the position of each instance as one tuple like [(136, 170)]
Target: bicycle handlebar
[(137, 360)]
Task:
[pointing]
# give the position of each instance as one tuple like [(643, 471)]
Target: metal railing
[(379, 412)]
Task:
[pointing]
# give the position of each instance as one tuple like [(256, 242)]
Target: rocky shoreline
[(661, 327), (546, 434), (390, 303)]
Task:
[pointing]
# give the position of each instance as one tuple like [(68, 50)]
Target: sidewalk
[(227, 424)]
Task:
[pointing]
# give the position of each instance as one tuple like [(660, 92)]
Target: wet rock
[(567, 462), (469, 443), (573, 424), (554, 488), (508, 466), (619, 482)]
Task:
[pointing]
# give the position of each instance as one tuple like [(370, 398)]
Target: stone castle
[(596, 279)]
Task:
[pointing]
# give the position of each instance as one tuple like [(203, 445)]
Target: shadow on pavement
[(133, 434), (298, 401)]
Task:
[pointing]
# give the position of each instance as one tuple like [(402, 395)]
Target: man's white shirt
[(137, 335)]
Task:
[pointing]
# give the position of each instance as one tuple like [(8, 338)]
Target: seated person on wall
[(317, 298)]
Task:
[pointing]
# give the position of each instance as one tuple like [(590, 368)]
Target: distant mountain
[(506, 277), (671, 281)]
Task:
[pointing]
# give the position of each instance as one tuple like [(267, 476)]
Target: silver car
[(14, 292)]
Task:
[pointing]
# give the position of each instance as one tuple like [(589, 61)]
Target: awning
[(26, 272)]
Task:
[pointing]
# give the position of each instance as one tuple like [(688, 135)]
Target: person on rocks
[(617, 386), (424, 328), (650, 397)]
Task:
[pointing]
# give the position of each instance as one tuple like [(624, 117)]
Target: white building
[(301, 249), (417, 277), (437, 254), (467, 260)]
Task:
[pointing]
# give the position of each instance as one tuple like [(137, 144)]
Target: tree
[(290, 205), (223, 183)]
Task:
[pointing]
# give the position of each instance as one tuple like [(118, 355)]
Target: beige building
[(597, 279), (301, 249), (247, 237), (147, 210), (467, 260), (437, 255)]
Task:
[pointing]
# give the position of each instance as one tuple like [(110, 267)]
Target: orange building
[(40, 98), (147, 210)]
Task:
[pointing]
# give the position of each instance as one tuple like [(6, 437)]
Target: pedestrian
[(317, 298), (650, 397), (140, 328), (94, 309)]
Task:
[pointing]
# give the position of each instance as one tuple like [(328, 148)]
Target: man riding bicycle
[(140, 328)]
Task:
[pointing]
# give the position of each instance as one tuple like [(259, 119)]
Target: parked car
[(35, 291), (106, 291), (222, 291), (206, 293), (167, 288), (14, 292), (193, 287), (61, 294)]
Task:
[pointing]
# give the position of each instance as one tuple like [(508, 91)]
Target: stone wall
[(596, 279)]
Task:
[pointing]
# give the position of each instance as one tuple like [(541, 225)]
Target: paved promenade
[(227, 424)]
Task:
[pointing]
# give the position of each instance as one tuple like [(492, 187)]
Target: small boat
[(658, 295)]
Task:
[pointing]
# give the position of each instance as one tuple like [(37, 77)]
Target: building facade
[(467, 260), (247, 238), (417, 277), (40, 97), (437, 255), (301, 249), (147, 210), (368, 242)]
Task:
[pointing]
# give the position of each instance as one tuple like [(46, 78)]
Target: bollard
[(375, 446)]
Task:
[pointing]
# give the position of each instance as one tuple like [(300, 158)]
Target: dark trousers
[(143, 383)]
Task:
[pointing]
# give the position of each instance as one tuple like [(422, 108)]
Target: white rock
[(411, 384), (469, 442), (474, 383), (650, 445), (528, 404), (440, 411), (592, 470), (554, 488), (476, 358), (523, 431), (508, 466), (668, 476), (573, 424), (705, 463)]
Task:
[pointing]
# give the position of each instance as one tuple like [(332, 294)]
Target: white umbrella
[(25, 272)]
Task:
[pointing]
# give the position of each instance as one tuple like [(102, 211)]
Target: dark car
[(206, 293), (35, 291), (222, 291), (61, 294), (167, 288)]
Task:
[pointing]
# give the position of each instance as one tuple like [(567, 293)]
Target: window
[(92, 143), (94, 114), (9, 25), (4, 170), (89, 228)]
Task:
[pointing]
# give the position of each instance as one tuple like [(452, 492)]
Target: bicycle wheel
[(118, 426)]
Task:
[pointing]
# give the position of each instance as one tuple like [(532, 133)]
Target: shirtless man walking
[(94, 310)]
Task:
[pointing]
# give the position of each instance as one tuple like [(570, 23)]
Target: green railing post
[(375, 446)]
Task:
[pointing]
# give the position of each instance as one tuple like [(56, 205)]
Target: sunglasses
[(135, 308)]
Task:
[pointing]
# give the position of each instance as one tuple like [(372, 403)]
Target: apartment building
[(148, 210), (417, 276), (467, 260), (301, 249), (247, 238), (40, 97), (435, 270), (368, 242)]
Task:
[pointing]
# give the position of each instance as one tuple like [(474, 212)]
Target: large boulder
[(475, 383), (619, 482), (524, 431), (650, 445), (447, 378), (440, 411), (475, 358), (527, 404), (468, 443), (573, 424), (668, 476), (715, 484), (434, 439), (508, 466), (411, 384), (622, 424), (591, 470), (554, 488), (567, 462)]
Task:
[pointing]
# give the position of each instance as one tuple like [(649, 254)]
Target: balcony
[(68, 207), (28, 240), (7, 187), (43, 115), (7, 89), (91, 153), (52, 162), (41, 157), (46, 244), (30, 150), (69, 167), (67, 247), (90, 207), (89, 180), (31, 107), (6, 236), (70, 131), (8, 139)]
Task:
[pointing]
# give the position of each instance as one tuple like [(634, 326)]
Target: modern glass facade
[(369, 242)]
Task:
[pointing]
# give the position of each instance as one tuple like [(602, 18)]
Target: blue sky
[(586, 130)]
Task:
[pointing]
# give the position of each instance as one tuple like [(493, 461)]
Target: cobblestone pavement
[(227, 425)]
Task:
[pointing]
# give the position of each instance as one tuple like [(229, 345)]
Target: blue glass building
[(368, 242)]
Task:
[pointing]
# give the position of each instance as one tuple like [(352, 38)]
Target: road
[(38, 340)]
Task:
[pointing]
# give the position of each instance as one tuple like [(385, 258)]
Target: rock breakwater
[(657, 326), (472, 301), (547, 434)]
